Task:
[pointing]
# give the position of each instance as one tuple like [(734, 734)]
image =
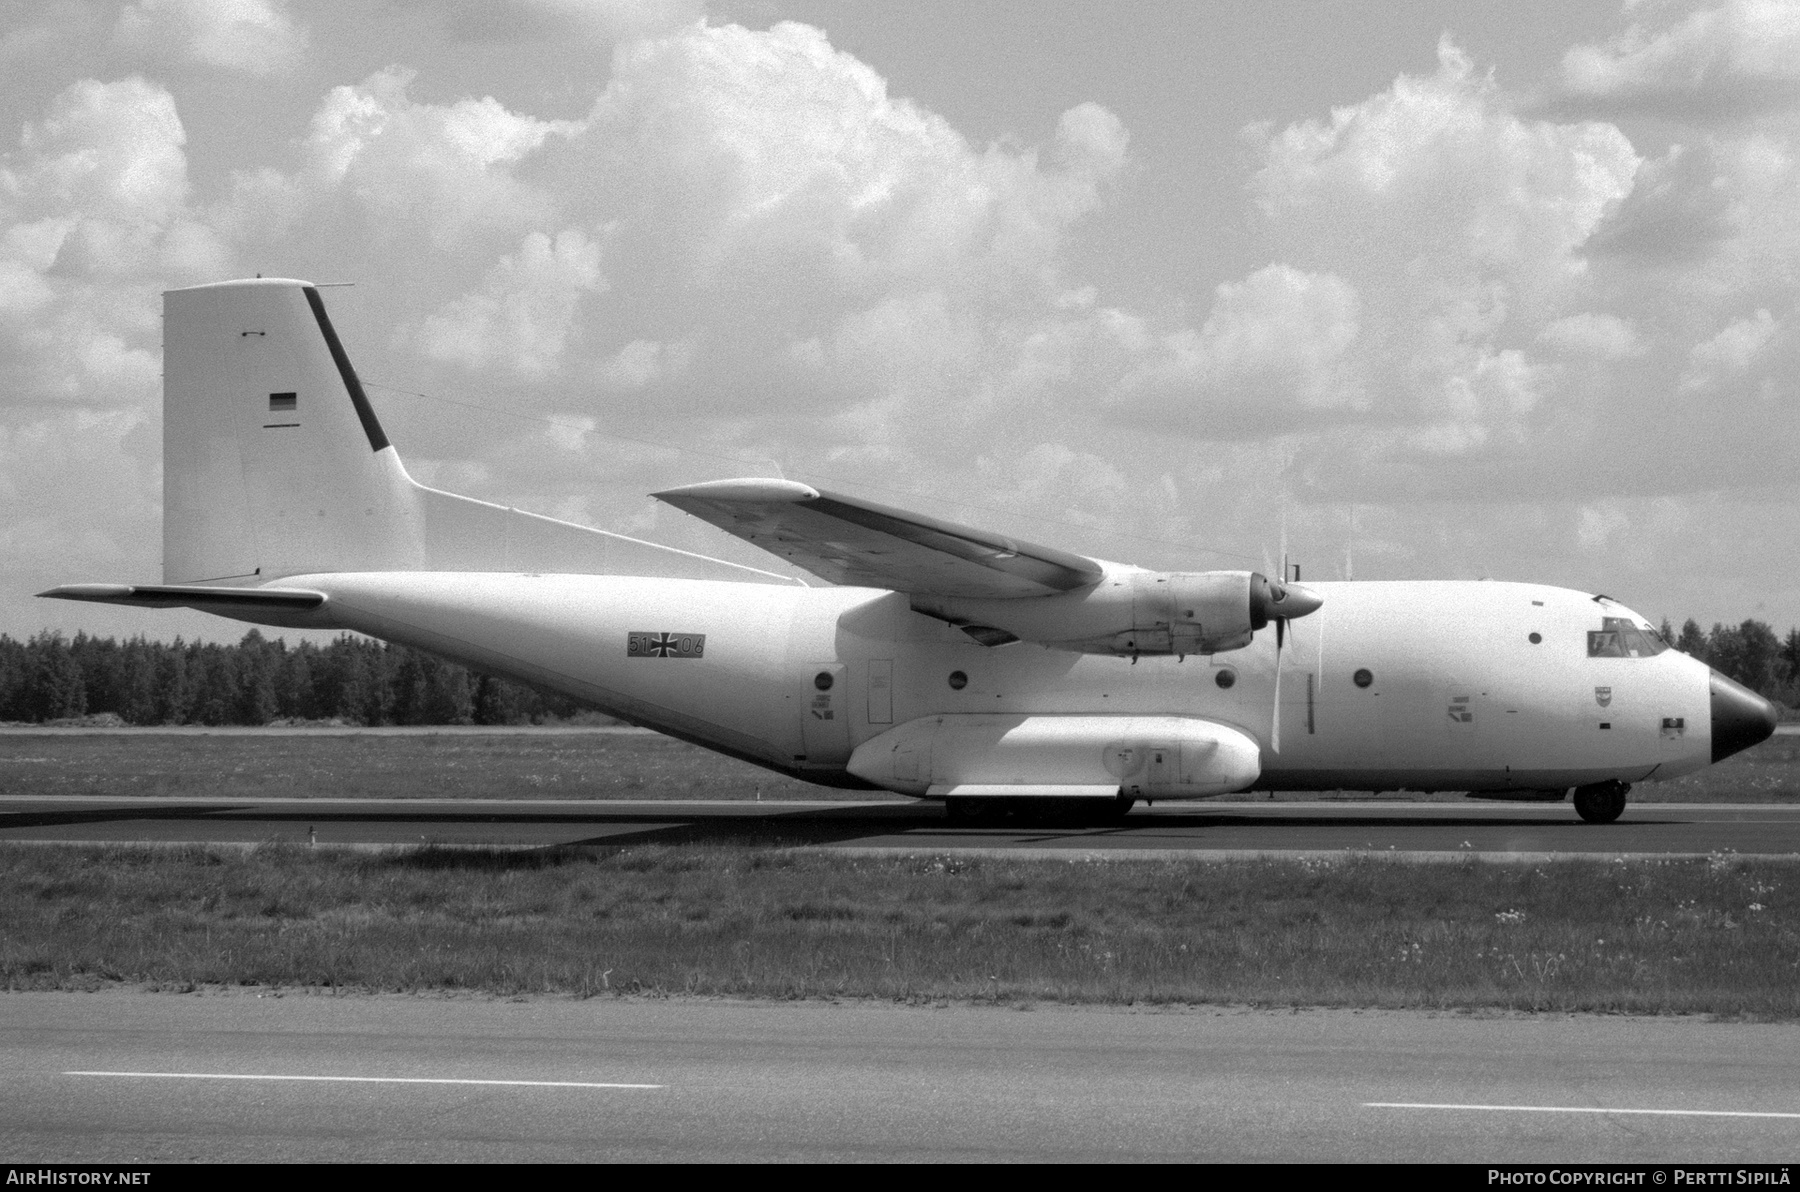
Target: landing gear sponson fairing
[(942, 661)]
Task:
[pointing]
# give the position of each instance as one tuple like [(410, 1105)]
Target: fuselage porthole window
[(1363, 677), (1225, 678)]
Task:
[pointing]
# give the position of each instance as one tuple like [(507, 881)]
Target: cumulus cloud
[(1439, 173), (109, 151), (1272, 351), (1676, 212), (748, 155), (1427, 234), (1599, 522), (1083, 486), (1589, 334), (404, 163), (94, 219), (255, 37), (643, 363), (744, 228), (794, 238), (522, 317), (1729, 60), (1733, 353)]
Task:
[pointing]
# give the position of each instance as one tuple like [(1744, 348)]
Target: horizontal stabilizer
[(199, 596), (858, 543)]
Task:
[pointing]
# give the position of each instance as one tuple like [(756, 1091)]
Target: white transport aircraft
[(935, 660)]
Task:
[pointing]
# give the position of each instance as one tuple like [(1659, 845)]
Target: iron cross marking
[(642, 643)]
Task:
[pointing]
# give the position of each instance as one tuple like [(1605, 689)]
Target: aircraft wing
[(861, 544)]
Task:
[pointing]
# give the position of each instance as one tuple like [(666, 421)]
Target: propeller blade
[(1275, 712)]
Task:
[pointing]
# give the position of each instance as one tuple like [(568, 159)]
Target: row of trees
[(359, 681), (354, 680), (1749, 653)]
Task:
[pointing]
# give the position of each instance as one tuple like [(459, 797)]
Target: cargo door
[(881, 691), (824, 727)]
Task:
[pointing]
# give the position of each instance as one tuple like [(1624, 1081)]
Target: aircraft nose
[(1740, 717)]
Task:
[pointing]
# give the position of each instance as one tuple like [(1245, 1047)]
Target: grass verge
[(1688, 936), (511, 765), (597, 765)]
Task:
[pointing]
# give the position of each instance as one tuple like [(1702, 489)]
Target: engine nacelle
[(1134, 612)]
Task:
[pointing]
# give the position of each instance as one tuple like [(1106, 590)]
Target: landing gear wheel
[(1602, 802), (1115, 810)]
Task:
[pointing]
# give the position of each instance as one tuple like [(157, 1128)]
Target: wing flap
[(859, 543)]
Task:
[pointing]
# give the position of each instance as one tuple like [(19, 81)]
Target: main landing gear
[(1601, 802), (1067, 813), (967, 812)]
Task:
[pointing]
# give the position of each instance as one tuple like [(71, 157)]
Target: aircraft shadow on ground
[(108, 815), (816, 827), (760, 827)]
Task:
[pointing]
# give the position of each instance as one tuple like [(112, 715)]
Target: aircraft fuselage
[(1477, 686)]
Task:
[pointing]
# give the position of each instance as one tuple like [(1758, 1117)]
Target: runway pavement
[(1416, 830), (122, 1077)]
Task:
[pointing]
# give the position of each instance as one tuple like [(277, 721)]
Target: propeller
[(1279, 602)]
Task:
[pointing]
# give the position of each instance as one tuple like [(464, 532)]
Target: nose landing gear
[(1601, 802)]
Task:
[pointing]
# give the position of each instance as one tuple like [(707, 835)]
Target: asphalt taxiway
[(123, 1076), (1417, 830)]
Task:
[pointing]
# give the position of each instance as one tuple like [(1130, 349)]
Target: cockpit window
[(1618, 637)]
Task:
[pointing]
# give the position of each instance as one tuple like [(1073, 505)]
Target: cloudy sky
[(1450, 290)]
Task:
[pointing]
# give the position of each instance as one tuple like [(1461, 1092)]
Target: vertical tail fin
[(273, 460), (274, 464)]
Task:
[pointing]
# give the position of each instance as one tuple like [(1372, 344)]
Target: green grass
[(1715, 937), (576, 765), (1767, 773), (305, 765)]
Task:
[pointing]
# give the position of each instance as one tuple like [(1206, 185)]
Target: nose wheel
[(1601, 802)]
